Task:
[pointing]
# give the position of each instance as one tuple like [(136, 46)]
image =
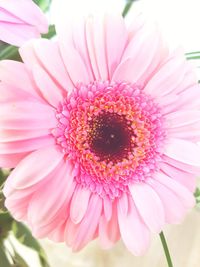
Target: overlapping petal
[(21, 21)]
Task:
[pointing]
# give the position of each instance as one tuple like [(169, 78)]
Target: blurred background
[(179, 21)]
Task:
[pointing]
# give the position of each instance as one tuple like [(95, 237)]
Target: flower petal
[(184, 178), (133, 231), (183, 151), (26, 115), (26, 145), (87, 227), (181, 191), (24, 175), (173, 207), (139, 59), (148, 205), (11, 160), (27, 11), (16, 74), (59, 187), (169, 76), (79, 204)]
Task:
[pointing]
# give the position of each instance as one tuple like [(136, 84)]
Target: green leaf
[(43, 4), (2, 201), (5, 225), (51, 32), (25, 237), (18, 260), (197, 197), (127, 7), (2, 178), (197, 192), (3, 175), (193, 55), (4, 261), (9, 52)]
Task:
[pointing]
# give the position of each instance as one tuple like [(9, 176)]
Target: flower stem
[(127, 7), (166, 250)]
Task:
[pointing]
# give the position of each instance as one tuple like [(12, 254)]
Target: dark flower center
[(110, 136)]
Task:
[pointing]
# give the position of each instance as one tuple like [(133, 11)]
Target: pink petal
[(27, 11), (60, 188), (47, 49), (26, 145), (16, 74), (182, 166), (95, 41), (79, 204), (182, 118), (133, 231), (183, 151), (47, 229), (26, 115), (184, 178), (11, 160), (21, 22), (53, 84), (87, 227), (70, 232), (19, 135), (139, 59), (168, 76), (75, 66), (107, 208), (17, 34), (47, 86), (6, 16), (186, 197), (58, 235), (123, 204), (109, 231), (24, 175), (104, 240), (174, 209), (18, 207), (113, 225), (148, 205), (115, 40)]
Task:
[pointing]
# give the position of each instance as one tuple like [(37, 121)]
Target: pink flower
[(20, 21), (101, 127)]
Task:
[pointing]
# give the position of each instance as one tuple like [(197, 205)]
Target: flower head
[(20, 21), (101, 127)]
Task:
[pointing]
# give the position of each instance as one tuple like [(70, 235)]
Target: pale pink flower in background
[(21, 20), (101, 127)]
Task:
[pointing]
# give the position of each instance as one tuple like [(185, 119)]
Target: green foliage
[(127, 7), (5, 225), (4, 261), (197, 195), (193, 55), (43, 4), (51, 32), (24, 236), (18, 260), (9, 52), (3, 176), (20, 231)]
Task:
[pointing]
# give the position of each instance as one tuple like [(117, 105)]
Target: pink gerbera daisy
[(101, 127)]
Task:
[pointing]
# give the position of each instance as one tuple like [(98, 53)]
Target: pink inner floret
[(112, 133)]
